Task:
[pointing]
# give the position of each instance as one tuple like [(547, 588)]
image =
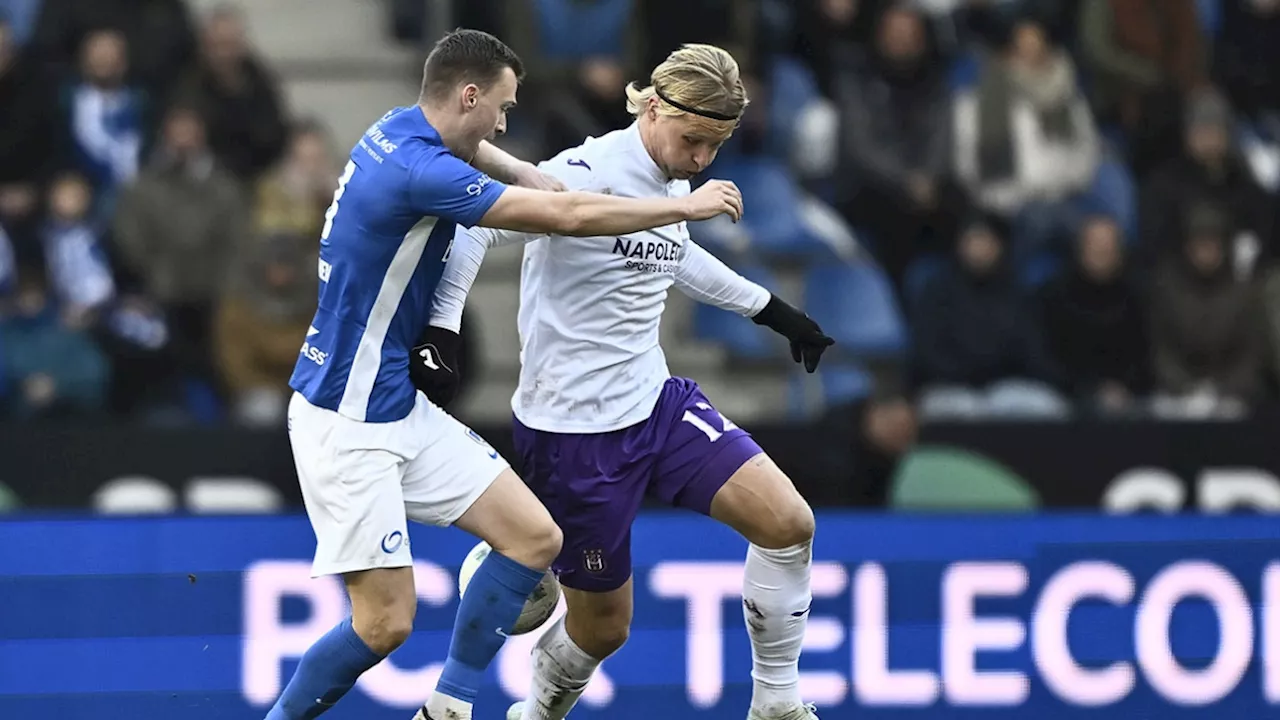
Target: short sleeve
[(443, 186)]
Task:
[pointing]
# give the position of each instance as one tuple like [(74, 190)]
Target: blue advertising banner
[(913, 617)]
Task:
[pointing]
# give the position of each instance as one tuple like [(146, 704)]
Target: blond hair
[(702, 79)]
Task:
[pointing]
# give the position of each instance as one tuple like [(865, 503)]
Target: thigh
[(701, 448), (763, 505), (352, 495), (453, 469), (593, 485)]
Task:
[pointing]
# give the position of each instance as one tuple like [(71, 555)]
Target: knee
[(386, 629), (543, 544), (790, 525), (600, 632)]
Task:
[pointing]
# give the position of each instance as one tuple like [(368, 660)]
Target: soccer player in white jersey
[(371, 451), (600, 422)]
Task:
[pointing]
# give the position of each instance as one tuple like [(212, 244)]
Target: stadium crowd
[(1029, 208)]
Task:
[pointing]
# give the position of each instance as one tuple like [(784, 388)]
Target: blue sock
[(492, 603), (327, 671)]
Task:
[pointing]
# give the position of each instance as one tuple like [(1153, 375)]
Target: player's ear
[(470, 95)]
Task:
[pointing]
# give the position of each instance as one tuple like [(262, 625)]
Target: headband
[(709, 114)]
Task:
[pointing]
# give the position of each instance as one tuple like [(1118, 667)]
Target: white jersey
[(590, 361)]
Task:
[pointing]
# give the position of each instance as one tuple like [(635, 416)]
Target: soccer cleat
[(516, 711), (803, 712)]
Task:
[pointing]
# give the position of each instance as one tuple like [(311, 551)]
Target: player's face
[(686, 145), (487, 108)]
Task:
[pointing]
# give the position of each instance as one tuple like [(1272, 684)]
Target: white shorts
[(361, 481)]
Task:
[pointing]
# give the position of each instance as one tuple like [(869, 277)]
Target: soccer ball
[(540, 604)]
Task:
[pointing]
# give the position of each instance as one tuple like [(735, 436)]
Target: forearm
[(592, 214), (704, 278), (497, 163)]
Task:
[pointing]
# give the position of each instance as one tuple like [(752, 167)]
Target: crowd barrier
[(1029, 616)]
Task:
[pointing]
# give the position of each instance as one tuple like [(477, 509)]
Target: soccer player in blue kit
[(600, 422), (370, 450)]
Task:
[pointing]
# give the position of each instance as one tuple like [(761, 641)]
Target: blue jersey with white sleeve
[(383, 248)]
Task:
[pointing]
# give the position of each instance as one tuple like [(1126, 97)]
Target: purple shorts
[(594, 484)]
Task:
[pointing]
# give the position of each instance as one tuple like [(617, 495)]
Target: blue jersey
[(383, 248)]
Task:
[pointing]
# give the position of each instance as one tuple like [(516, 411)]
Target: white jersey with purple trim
[(382, 251), (590, 308)]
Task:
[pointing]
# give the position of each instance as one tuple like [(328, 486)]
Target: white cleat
[(516, 711), (803, 712)]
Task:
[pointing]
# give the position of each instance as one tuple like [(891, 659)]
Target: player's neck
[(449, 128), (646, 139)]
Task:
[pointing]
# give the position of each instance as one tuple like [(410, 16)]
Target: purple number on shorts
[(712, 434)]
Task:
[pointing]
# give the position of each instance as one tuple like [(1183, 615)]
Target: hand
[(807, 339), (528, 175), (715, 197), (433, 365)]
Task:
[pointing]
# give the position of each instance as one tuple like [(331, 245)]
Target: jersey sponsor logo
[(579, 163), (635, 249), (380, 139), (392, 541), (478, 186), (313, 353), (325, 271)]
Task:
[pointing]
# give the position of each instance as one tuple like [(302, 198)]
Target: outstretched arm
[(704, 278), (444, 186)]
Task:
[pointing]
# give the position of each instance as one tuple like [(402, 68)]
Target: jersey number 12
[(712, 434)]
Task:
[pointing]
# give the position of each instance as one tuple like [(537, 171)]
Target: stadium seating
[(793, 87), (772, 199), (855, 304), (135, 496), (1113, 194)]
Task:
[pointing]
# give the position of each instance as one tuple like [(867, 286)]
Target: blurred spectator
[(730, 24), (293, 198), (1145, 56), (1026, 144), (106, 116), (157, 32), (79, 271), (977, 347), (1210, 170), (176, 229), (21, 16), (1246, 55), (264, 316), (1206, 325), (1094, 322), (828, 32), (862, 444), (27, 112), (579, 56), (237, 96), (52, 366), (894, 111)]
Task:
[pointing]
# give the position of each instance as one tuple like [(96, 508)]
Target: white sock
[(561, 671), (443, 707), (775, 603)]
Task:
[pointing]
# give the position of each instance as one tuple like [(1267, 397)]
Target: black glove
[(433, 365), (807, 340)]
